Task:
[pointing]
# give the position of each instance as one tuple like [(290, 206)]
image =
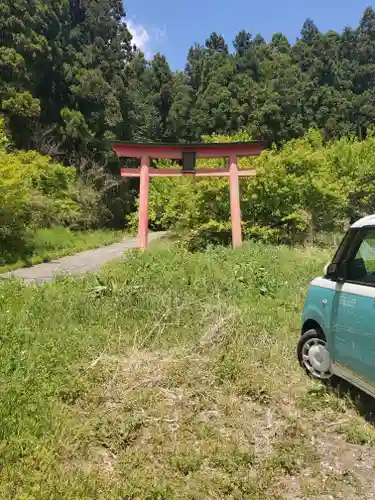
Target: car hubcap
[(316, 358)]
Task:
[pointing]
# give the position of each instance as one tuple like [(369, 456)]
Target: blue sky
[(172, 26)]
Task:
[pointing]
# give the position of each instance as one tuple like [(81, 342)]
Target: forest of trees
[(72, 81)]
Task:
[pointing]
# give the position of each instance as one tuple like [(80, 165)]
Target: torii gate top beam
[(175, 151)]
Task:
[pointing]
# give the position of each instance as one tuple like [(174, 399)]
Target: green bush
[(58, 196), (15, 211), (296, 193), (35, 192), (306, 188)]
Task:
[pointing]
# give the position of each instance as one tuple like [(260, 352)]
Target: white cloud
[(146, 40), (141, 37)]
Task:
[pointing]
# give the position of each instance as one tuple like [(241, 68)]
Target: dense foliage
[(301, 190), (35, 192), (71, 81)]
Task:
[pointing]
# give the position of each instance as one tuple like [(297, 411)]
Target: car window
[(361, 268)]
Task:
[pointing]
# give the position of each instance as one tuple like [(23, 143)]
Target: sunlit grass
[(173, 376)]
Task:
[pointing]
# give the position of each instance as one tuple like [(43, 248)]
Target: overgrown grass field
[(173, 376), (55, 242)]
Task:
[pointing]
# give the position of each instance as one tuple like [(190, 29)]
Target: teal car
[(338, 325)]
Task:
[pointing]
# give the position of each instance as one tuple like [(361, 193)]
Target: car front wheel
[(314, 356)]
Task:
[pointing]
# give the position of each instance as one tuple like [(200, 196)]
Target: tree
[(367, 23), (216, 43), (72, 81), (179, 124), (161, 88), (309, 32), (242, 43), (258, 40), (280, 42)]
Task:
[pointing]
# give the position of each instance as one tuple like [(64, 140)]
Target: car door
[(353, 312)]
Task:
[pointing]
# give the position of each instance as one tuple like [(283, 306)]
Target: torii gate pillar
[(188, 154), (143, 203), (235, 207)]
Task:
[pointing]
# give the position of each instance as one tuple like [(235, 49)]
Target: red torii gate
[(188, 153)]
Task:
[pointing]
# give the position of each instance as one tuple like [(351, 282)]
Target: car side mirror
[(325, 270), (330, 270), (336, 271)]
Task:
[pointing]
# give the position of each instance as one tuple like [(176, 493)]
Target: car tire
[(313, 355)]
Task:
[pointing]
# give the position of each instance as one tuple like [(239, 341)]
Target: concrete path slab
[(81, 263)]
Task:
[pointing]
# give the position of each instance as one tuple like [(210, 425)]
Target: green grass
[(57, 242), (173, 376)]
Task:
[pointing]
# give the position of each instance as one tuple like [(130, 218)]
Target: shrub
[(15, 212), (304, 189), (35, 192), (295, 194), (58, 196)]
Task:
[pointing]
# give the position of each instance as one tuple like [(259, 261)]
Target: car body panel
[(344, 308)]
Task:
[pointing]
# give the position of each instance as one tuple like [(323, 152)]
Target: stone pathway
[(81, 263)]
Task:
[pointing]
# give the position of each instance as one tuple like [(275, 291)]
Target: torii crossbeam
[(188, 153)]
